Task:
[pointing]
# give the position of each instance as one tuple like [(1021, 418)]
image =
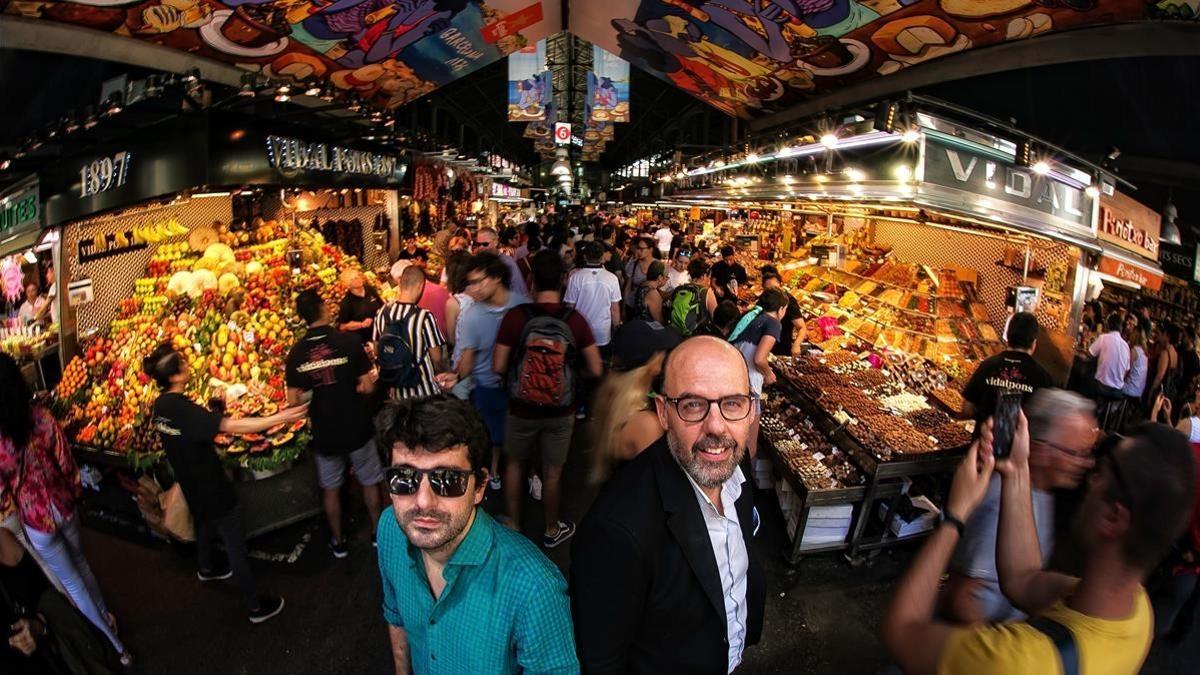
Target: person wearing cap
[(626, 422), (677, 274)]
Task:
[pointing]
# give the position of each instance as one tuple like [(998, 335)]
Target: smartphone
[(1004, 424)]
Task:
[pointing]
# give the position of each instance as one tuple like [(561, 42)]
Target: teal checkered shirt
[(504, 608)]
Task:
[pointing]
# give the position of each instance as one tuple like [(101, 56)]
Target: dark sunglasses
[(406, 480), (478, 244)]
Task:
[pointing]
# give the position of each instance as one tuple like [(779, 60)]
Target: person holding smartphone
[(187, 431)]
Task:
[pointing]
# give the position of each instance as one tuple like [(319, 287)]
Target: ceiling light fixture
[(829, 140), (1041, 167)]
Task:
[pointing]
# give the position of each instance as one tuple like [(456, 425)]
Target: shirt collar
[(473, 549), (731, 491)]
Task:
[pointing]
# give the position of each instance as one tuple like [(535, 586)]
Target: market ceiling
[(749, 58)]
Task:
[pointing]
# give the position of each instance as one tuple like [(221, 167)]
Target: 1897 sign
[(104, 174)]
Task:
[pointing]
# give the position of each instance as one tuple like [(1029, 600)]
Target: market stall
[(201, 234), (907, 252), (29, 325)]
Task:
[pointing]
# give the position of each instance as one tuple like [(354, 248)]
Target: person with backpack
[(408, 343), (489, 285), (636, 268), (691, 305), (542, 347), (795, 330), (334, 367)]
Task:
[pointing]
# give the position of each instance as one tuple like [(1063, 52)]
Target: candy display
[(806, 452), (229, 312)]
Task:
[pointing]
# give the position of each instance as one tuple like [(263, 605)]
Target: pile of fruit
[(230, 313)]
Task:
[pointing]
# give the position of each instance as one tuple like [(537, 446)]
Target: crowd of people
[(474, 382)]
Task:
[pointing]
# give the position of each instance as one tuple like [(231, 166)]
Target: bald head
[(703, 359)]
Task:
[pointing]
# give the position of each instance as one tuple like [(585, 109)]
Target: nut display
[(950, 435), (949, 398), (898, 434), (928, 419), (905, 402)]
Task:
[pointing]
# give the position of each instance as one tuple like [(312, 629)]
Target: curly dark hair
[(434, 425), (16, 403)]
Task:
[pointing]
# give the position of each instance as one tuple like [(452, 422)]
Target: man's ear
[(660, 407)]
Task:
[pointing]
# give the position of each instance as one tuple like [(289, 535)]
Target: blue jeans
[(63, 554)]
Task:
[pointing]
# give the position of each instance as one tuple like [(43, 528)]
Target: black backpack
[(398, 364)]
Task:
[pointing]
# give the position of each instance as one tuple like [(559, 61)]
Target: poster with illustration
[(529, 84), (607, 88), (388, 51), (750, 58)]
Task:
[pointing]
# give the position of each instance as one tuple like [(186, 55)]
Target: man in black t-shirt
[(334, 367), (187, 432), (1012, 370), (357, 311)]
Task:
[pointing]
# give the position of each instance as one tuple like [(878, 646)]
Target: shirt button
[(432, 621), (432, 656)]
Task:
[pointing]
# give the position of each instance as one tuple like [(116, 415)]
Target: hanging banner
[(608, 88), (529, 84)]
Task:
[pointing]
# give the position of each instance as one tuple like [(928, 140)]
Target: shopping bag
[(177, 517)]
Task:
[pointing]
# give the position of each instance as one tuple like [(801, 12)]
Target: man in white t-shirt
[(595, 293), (663, 237)]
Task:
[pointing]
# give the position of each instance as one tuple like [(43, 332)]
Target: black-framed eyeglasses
[(734, 408), (478, 244), (406, 480)]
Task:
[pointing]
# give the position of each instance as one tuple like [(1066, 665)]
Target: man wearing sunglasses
[(663, 574), (461, 594), (1137, 504), (486, 239)]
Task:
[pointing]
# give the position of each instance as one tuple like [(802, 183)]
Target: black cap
[(637, 341)]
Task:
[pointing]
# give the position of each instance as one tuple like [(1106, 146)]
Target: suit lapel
[(686, 524)]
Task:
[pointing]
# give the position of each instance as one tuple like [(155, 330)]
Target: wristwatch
[(945, 517)]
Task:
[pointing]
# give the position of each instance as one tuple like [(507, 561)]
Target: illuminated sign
[(294, 154), (104, 174)]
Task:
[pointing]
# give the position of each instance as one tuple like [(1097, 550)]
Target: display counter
[(840, 432)]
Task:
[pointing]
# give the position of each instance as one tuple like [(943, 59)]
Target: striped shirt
[(423, 335)]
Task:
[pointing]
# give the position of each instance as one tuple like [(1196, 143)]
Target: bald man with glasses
[(663, 574)]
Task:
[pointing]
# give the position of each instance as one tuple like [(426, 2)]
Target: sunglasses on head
[(406, 480)]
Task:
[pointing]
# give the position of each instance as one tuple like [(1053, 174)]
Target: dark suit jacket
[(645, 592)]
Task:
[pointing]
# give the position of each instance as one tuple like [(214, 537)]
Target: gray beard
[(705, 474)]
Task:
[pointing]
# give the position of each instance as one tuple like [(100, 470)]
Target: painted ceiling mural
[(747, 58), (750, 58), (387, 51)]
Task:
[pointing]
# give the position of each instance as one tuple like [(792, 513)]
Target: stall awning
[(1129, 269)]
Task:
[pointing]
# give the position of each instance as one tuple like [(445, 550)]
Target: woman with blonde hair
[(626, 422)]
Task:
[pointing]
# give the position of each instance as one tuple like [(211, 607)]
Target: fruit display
[(25, 342), (230, 314)]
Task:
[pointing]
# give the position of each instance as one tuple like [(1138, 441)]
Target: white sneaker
[(535, 488)]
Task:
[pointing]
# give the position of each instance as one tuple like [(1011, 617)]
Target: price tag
[(248, 337), (818, 456)]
